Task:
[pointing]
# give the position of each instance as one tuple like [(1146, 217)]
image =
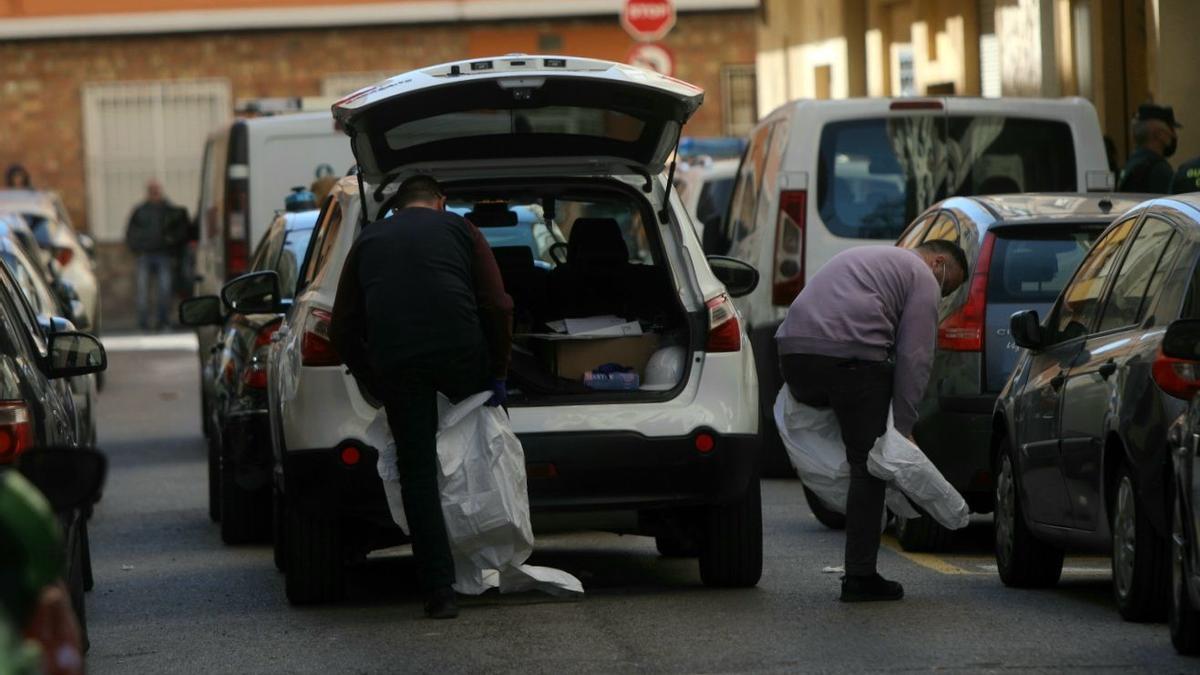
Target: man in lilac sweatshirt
[(860, 339)]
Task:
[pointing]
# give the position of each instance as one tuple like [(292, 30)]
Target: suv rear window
[(1033, 267), (875, 175)]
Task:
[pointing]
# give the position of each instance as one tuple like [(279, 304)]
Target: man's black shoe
[(441, 604), (870, 589)]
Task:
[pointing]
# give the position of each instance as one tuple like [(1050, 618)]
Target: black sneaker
[(441, 605), (870, 589)]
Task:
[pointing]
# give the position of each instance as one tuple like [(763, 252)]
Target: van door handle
[(1107, 368), (1057, 380)]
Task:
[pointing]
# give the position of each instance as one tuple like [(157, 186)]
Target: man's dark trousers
[(860, 393), (409, 394)]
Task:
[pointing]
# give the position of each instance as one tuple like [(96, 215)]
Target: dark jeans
[(860, 393), (409, 395)]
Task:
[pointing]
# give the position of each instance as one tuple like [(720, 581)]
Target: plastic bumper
[(566, 472)]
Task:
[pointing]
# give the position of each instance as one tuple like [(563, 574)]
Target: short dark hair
[(418, 189), (947, 247)]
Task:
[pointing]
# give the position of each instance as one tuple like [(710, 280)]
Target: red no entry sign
[(648, 20)]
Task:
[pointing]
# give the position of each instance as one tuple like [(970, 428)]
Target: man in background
[(156, 229), (1154, 133)]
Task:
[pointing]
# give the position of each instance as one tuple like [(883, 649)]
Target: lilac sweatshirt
[(866, 303)]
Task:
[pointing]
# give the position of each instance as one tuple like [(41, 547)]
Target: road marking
[(1097, 571), (926, 560), (144, 343)]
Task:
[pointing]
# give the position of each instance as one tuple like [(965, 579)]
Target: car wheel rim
[(1124, 538), (1005, 513)]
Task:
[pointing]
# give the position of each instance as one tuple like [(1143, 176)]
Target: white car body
[(78, 269)]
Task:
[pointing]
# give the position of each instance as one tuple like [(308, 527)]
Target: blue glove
[(499, 393)]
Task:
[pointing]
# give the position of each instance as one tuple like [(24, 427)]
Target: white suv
[(577, 147)]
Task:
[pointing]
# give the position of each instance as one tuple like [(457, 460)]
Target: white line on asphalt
[(143, 343), (1099, 571)]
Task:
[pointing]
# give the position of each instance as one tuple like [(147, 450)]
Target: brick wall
[(41, 81)]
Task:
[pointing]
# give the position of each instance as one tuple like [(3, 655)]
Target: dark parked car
[(1080, 435), (1022, 249), (234, 387), (1181, 357)]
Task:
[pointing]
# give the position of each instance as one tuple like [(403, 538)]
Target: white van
[(249, 167), (819, 177)]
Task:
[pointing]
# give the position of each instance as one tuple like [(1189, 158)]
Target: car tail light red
[(237, 215), (724, 330), (1177, 377), (237, 259), (787, 269), (63, 255), (16, 430), (263, 339), (255, 374), (963, 330), (316, 349)]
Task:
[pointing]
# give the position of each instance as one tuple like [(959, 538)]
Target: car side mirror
[(203, 310), (1182, 340), (740, 278), (254, 293), (70, 478), (73, 353), (1026, 329)]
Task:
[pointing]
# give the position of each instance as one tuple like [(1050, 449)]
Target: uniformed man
[(1187, 177), (1154, 133)]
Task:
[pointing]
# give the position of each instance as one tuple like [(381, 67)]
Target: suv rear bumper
[(566, 472)]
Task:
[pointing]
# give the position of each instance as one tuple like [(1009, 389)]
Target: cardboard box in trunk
[(572, 357)]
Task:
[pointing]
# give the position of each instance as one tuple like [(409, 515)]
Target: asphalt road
[(169, 597)]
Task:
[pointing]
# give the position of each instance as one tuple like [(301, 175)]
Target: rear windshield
[(598, 123), (875, 175), (1032, 268)]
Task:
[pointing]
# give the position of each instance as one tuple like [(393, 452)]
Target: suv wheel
[(824, 515), (922, 534), (1022, 560), (1183, 617), (731, 554), (314, 572), (245, 514), (1138, 559)]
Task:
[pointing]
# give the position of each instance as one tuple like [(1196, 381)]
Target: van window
[(744, 202), (875, 175)]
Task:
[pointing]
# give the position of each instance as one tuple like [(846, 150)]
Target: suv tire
[(1022, 560), (922, 534), (731, 555), (245, 514), (315, 572), (1183, 617), (1139, 557), (824, 515)]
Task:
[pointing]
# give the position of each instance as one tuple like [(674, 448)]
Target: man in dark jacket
[(1154, 133), (421, 309), (156, 229), (1187, 177), (860, 339)]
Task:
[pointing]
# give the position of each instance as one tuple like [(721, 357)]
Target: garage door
[(135, 131)]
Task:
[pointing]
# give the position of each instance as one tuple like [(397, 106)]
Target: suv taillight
[(724, 331), (316, 349), (962, 331), (1177, 377), (16, 430), (255, 374), (787, 269)]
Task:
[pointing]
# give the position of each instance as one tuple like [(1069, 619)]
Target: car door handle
[(1107, 368), (1057, 380)]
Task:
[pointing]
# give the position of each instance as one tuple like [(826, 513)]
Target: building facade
[(1116, 53), (98, 96)]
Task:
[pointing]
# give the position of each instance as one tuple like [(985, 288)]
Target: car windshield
[(1032, 267), (875, 175)]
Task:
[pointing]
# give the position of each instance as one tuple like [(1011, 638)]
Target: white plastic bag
[(813, 440), (484, 500), (814, 443), (900, 462)]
